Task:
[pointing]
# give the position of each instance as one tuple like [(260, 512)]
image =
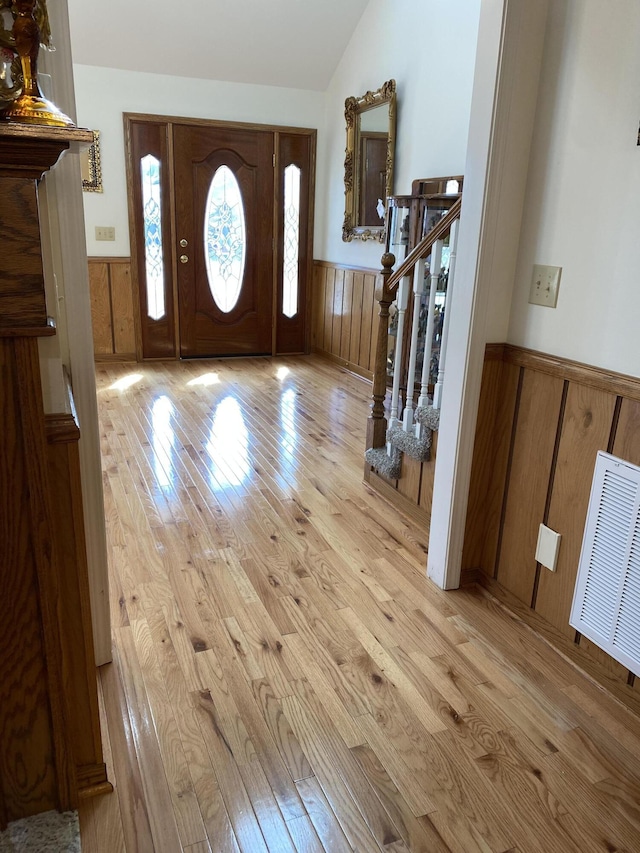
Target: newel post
[(377, 422)]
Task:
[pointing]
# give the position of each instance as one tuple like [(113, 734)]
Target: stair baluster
[(402, 303), (436, 261), (453, 242), (418, 290)]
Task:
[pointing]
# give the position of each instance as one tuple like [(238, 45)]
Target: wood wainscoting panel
[(112, 312), (371, 290), (124, 336), (412, 494), (345, 316), (586, 428), (541, 421), (505, 415), (355, 333), (369, 323), (327, 325), (626, 442), (526, 492), (425, 500), (336, 312), (317, 307), (482, 464), (490, 461), (347, 300), (101, 315), (409, 482)]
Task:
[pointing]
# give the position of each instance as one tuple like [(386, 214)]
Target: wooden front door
[(221, 236), (224, 191)]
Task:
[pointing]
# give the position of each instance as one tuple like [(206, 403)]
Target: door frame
[(171, 260), (503, 108)]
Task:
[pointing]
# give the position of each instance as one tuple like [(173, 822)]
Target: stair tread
[(417, 448), (389, 466), (428, 416)]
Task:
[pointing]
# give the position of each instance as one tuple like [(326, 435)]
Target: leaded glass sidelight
[(152, 218), (291, 246), (225, 242)]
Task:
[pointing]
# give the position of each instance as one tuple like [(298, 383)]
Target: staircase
[(420, 291)]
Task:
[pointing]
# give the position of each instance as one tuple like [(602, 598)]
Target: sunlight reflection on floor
[(228, 446), (125, 382), (206, 379), (163, 440)]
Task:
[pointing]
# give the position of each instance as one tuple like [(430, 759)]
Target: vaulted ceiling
[(293, 43)]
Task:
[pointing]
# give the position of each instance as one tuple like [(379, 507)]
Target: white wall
[(104, 94), (429, 48), (582, 209)]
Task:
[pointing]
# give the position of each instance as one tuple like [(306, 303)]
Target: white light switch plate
[(544, 285), (548, 547)]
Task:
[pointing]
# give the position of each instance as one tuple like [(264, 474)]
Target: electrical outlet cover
[(548, 547), (105, 232)]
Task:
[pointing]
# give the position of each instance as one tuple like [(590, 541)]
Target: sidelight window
[(152, 218), (290, 262)]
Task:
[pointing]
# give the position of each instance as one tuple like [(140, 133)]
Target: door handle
[(184, 259)]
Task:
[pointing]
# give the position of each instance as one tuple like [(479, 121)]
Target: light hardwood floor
[(284, 676)]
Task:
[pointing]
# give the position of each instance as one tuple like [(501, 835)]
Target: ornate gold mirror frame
[(355, 171), (91, 167)]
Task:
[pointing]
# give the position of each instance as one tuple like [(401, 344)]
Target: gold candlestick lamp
[(30, 107)]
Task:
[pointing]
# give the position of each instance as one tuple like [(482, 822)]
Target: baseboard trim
[(92, 781), (120, 356), (470, 576), (348, 365), (561, 644)]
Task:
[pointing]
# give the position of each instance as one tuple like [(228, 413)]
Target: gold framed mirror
[(368, 162)]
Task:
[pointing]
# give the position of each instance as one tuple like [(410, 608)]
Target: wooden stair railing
[(424, 246), (390, 280), (377, 422)]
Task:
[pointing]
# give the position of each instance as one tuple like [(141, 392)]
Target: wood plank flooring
[(286, 679)]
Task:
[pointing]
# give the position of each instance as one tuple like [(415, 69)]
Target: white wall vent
[(606, 601)]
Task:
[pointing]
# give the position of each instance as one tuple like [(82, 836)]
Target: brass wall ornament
[(370, 119), (30, 29)]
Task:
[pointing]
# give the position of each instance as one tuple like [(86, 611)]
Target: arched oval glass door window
[(225, 241)]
